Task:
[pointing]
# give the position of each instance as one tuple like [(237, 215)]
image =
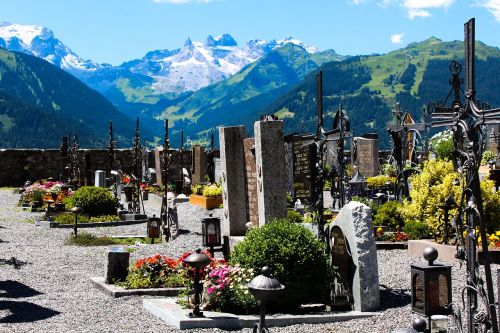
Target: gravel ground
[(50, 290)]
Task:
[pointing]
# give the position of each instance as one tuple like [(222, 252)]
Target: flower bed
[(205, 202)]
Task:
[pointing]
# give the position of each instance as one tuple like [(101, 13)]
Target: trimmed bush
[(388, 214), (417, 230), (296, 258), (94, 200)]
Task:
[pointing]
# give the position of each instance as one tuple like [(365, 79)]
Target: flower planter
[(205, 202)]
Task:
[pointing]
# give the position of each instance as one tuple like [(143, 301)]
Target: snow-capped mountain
[(189, 68), (40, 42)]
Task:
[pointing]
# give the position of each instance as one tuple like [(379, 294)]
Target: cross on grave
[(403, 130), (111, 148), (467, 123)]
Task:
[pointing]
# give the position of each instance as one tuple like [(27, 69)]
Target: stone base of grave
[(447, 252), (115, 291), (135, 217), (170, 312), (46, 224), (205, 202), (383, 245)]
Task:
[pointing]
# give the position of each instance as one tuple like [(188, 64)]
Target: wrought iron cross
[(111, 148)]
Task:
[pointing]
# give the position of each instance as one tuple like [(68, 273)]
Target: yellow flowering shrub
[(379, 181), (433, 185), (429, 189)]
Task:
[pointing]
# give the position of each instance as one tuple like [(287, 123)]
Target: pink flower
[(210, 290)]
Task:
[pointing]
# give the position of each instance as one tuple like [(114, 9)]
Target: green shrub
[(487, 155), (388, 214), (69, 218), (214, 190), (417, 230), (379, 181), (94, 200), (104, 218), (294, 255), (86, 239), (294, 217), (442, 145)]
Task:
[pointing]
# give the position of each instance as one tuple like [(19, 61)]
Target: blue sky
[(114, 31)]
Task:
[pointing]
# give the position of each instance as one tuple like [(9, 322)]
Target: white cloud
[(412, 13), (177, 2), (423, 4), (356, 2), (492, 5), (397, 38)]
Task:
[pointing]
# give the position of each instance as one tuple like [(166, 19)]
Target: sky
[(114, 31)]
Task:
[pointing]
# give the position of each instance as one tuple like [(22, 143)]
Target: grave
[(100, 178), (198, 165), (364, 154), (303, 157), (352, 232)]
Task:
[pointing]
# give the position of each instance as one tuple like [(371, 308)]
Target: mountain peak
[(188, 42), (222, 40), (25, 33)]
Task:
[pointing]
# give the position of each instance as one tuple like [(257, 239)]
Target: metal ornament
[(168, 215), (111, 148), (467, 123), (74, 163)]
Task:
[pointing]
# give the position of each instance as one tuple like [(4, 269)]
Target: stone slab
[(170, 312), (50, 224), (115, 291), (446, 252)]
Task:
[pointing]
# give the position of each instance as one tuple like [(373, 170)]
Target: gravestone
[(218, 170), (353, 226), (116, 268), (270, 168), (341, 258), (251, 181), (288, 147), (303, 157), (100, 178), (365, 155), (199, 165), (233, 179)]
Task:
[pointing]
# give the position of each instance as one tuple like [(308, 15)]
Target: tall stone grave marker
[(199, 163), (365, 155), (233, 179), (352, 229), (303, 157), (270, 167), (251, 181), (100, 178)]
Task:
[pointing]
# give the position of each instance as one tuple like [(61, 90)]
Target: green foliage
[(295, 257), (86, 239), (379, 181), (214, 190), (94, 200), (388, 214), (487, 156), (417, 230), (69, 218), (491, 205), (388, 169), (442, 145), (294, 217), (429, 189)]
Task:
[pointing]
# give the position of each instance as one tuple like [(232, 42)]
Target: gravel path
[(45, 286)]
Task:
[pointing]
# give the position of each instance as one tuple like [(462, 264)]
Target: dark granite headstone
[(341, 258), (303, 163), (117, 265), (365, 155)]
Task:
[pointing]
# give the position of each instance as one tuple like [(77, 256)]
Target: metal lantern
[(264, 288), (198, 261), (431, 286), (153, 228), (76, 211), (380, 198), (211, 232)]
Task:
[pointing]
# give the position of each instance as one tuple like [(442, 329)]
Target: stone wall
[(19, 165)]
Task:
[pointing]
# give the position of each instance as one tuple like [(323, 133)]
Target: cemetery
[(271, 232)]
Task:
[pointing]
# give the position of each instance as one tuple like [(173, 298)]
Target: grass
[(86, 239)]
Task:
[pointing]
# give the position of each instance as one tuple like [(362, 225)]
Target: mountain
[(241, 98), (40, 42), (369, 86), (39, 103)]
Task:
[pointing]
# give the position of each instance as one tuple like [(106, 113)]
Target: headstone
[(270, 168), (117, 265), (365, 155), (199, 165), (251, 181), (341, 258), (303, 154), (218, 169), (100, 178), (354, 221), (158, 156), (233, 179)]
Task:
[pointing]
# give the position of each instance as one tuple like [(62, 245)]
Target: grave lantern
[(197, 261), (380, 198), (431, 286), (211, 232), (153, 228), (358, 184), (76, 211)]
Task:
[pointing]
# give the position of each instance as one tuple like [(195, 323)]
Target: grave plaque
[(341, 258), (365, 155), (303, 163)]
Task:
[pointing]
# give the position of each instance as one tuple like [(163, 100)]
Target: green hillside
[(369, 86), (39, 98)]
